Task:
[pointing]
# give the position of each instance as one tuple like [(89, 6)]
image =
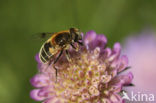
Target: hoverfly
[(59, 42)]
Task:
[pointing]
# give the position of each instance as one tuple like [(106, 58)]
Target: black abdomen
[(45, 54)]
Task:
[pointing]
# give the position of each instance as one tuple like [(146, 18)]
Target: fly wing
[(42, 36)]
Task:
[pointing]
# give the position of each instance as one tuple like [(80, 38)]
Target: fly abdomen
[(45, 55)]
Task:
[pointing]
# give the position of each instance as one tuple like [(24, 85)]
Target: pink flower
[(91, 77), (141, 51)]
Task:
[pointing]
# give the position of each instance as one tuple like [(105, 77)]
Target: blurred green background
[(20, 19)]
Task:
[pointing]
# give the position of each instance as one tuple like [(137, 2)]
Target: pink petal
[(123, 63), (89, 37), (100, 41), (34, 95), (122, 79), (115, 52), (40, 80), (115, 98), (117, 47), (37, 58)]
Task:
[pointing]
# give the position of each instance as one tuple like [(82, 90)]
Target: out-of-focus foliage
[(20, 19)]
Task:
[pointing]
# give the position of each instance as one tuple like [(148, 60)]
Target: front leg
[(68, 56), (81, 43), (76, 48)]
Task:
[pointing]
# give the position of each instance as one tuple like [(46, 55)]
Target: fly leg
[(58, 56), (76, 48), (55, 71), (73, 46), (55, 63), (68, 56), (81, 43)]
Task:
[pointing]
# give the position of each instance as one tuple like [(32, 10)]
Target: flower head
[(91, 76)]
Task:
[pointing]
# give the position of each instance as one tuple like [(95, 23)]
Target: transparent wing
[(42, 36)]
